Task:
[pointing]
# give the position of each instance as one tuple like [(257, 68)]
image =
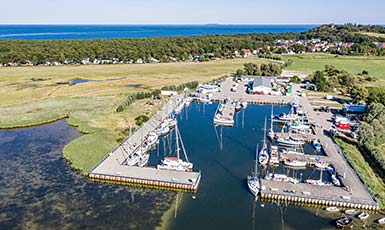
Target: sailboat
[(253, 181), (219, 119), (271, 134), (263, 154), (175, 163)]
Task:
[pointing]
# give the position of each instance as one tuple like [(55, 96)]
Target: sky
[(191, 12)]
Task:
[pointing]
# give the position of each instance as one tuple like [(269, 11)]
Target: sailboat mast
[(256, 162), (177, 140), (264, 135), (183, 148)]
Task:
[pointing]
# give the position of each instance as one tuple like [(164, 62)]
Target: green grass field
[(35, 95), (355, 64), (375, 183)]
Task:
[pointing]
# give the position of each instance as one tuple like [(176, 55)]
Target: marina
[(346, 190)]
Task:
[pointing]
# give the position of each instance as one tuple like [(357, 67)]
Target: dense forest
[(166, 49)]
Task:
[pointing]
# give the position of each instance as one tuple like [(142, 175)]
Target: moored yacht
[(295, 162), (253, 182), (274, 156)]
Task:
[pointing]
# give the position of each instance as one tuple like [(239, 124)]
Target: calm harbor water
[(223, 200), (38, 188), (55, 32)]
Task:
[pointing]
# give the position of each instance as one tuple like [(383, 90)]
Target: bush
[(139, 120)]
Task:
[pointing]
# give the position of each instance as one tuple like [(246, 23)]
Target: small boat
[(133, 159), (381, 221), (274, 156), (332, 209), (351, 212), (317, 145), (263, 154), (344, 222), (294, 103), (263, 157), (143, 160), (253, 181), (151, 139), (171, 122), (321, 165), (163, 129), (179, 108), (295, 162), (187, 101), (363, 216), (289, 141), (220, 120), (244, 104)]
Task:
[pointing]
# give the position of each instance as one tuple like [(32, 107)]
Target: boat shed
[(259, 85)]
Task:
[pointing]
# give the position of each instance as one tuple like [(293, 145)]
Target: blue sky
[(191, 12)]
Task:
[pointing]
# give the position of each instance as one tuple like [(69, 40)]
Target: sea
[(81, 32)]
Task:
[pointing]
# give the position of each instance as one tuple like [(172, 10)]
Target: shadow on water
[(40, 191)]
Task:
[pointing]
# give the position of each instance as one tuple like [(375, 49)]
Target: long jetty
[(113, 170), (354, 193)]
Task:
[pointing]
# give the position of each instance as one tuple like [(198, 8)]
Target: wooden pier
[(112, 170)]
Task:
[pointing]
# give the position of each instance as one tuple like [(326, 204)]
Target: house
[(139, 61), (246, 53), (259, 85), (105, 60)]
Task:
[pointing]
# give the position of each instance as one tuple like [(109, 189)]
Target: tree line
[(166, 49)]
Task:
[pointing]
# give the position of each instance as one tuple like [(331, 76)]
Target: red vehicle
[(343, 126)]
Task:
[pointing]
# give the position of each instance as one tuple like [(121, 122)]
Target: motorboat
[(176, 164), (263, 157), (289, 141), (295, 162), (317, 182), (363, 216), (321, 165), (179, 108), (332, 209), (274, 156), (317, 145), (133, 159), (187, 101), (344, 222), (220, 120), (351, 212), (151, 140), (143, 160), (163, 129), (171, 122)]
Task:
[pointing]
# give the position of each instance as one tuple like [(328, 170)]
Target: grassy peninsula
[(40, 94)]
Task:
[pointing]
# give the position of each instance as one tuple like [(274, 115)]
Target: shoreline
[(31, 125)]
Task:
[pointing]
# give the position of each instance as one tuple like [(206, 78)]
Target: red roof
[(383, 45), (246, 50)]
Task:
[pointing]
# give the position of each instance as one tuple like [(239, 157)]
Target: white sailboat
[(219, 119), (253, 181), (175, 163), (264, 154), (271, 133)]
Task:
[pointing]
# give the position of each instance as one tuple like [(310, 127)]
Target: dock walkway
[(112, 169)]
